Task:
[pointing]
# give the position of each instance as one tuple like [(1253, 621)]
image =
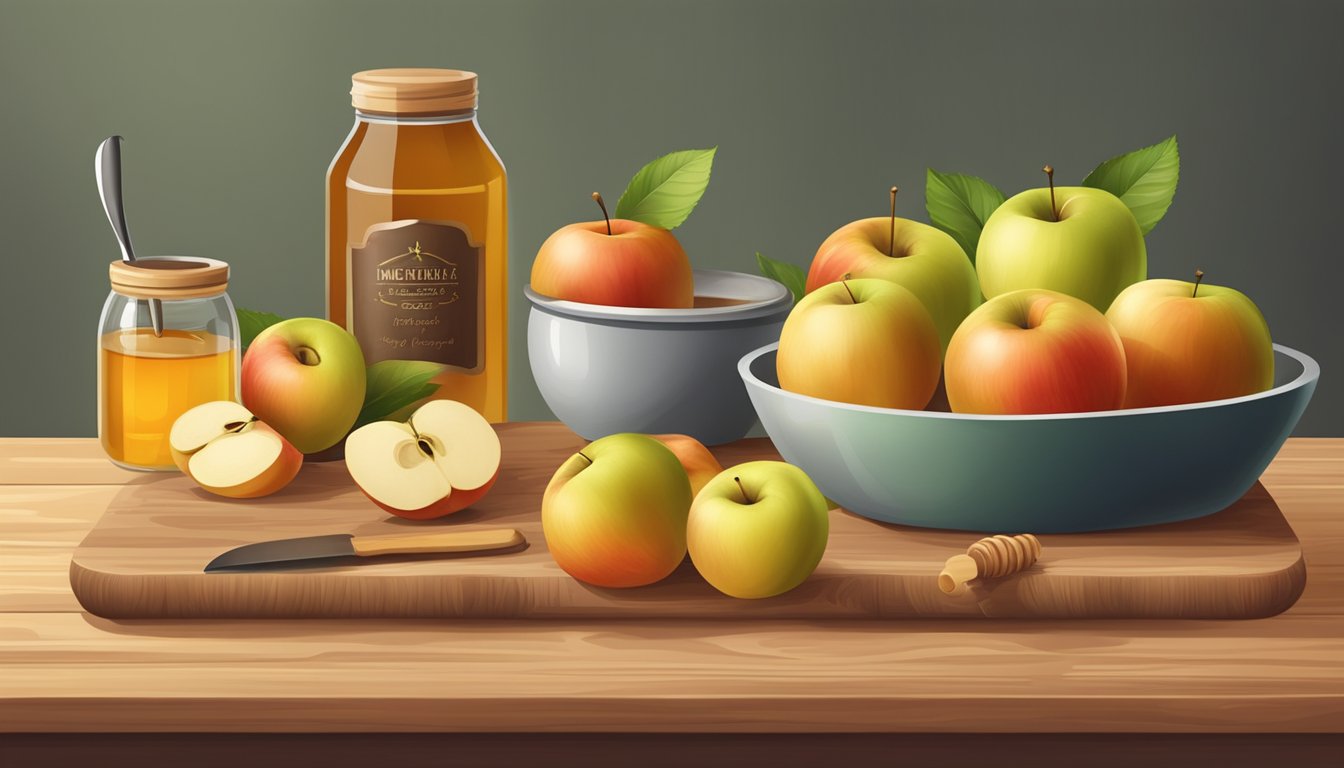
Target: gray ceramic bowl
[(1062, 473), (605, 369)]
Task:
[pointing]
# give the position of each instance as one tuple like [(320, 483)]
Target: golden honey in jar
[(147, 379), (416, 233)]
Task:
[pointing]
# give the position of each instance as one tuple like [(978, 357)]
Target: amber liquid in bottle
[(398, 193), (148, 381)]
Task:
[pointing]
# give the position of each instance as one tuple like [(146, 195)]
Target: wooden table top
[(63, 670)]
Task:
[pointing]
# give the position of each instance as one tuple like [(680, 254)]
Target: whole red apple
[(923, 259), (1035, 351), (305, 378), (616, 262), (1189, 343)]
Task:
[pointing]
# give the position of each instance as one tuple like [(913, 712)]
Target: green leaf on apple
[(792, 276), (395, 384), (960, 205), (665, 191), (1145, 180), (251, 323)]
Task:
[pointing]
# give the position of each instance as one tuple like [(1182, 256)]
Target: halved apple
[(440, 460), (228, 452)]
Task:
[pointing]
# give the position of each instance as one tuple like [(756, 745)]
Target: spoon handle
[(107, 169)]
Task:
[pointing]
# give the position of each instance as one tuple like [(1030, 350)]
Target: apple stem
[(585, 457), (1050, 176), (845, 282), (238, 426), (597, 197), (891, 244), (1199, 275), (745, 496)]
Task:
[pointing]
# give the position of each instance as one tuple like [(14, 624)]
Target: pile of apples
[(303, 385), (628, 508), (1069, 322)]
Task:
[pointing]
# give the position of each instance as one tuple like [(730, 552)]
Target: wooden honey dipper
[(989, 558)]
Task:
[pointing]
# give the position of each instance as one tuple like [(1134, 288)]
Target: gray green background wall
[(232, 111)]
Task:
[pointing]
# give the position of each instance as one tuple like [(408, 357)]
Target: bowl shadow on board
[(1175, 542), (1057, 473)]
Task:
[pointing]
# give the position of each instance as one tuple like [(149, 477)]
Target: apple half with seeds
[(229, 452), (442, 459)]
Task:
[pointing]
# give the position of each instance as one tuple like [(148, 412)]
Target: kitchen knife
[(284, 551)]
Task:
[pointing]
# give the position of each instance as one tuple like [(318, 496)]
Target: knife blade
[(267, 554)]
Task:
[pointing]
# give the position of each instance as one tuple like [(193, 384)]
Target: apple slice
[(227, 451), (442, 459)]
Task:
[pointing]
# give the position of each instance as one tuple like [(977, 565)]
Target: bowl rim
[(779, 297), (1311, 371)]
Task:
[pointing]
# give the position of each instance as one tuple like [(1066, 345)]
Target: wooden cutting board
[(144, 559)]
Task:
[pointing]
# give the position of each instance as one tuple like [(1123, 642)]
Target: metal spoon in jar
[(107, 170)]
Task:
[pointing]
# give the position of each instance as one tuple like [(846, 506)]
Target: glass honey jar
[(147, 379), (417, 233)]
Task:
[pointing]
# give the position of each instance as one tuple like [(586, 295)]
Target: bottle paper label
[(415, 294)]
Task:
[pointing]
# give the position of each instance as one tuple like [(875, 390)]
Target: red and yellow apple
[(695, 458), (1188, 342), (758, 530), (914, 255), (614, 514), (226, 450), (305, 377), (442, 459), (1035, 351), (616, 262), (867, 342)]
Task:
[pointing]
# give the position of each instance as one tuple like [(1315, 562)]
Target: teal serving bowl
[(1056, 473)]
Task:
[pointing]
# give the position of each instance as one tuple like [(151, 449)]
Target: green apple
[(1189, 343), (614, 514), (867, 342), (758, 529), (305, 378), (1076, 240), (914, 255)]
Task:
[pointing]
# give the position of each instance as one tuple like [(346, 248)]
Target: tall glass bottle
[(416, 222)]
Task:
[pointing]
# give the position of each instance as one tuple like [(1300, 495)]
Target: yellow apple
[(866, 341)]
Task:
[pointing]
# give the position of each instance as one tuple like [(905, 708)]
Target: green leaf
[(251, 323), (793, 277), (665, 191), (395, 384), (1144, 179), (960, 205)]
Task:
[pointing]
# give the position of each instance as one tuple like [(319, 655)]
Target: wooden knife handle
[(438, 541)]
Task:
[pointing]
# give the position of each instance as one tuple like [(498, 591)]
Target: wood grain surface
[(144, 559), (63, 671)]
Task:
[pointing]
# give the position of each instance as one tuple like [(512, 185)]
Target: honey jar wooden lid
[(169, 277), (413, 91)]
